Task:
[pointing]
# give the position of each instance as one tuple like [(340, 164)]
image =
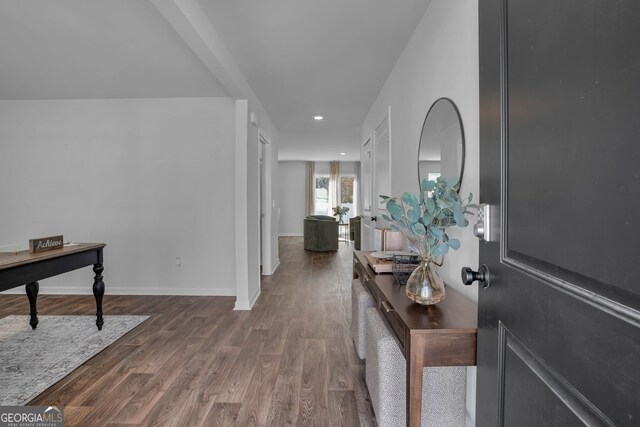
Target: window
[(322, 195), (346, 189)]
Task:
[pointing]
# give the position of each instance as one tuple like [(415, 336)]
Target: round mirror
[(441, 149)]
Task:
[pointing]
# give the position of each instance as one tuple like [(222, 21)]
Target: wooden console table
[(444, 334), (24, 268)]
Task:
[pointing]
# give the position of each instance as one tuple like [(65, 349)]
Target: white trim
[(253, 118), (366, 235), (248, 304), (267, 200), (290, 235), (254, 298), (386, 121), (127, 290), (242, 306), (274, 268), (242, 244), (390, 150)]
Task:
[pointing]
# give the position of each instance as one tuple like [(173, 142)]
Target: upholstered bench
[(443, 388), (360, 302)]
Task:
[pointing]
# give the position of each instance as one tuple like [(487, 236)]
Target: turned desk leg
[(415, 363), (98, 293), (32, 292)]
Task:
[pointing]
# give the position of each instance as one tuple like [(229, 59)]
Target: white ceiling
[(328, 57), (79, 49), (301, 58)]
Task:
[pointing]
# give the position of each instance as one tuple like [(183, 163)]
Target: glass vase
[(424, 286)]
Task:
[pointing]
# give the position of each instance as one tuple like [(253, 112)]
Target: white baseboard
[(290, 235), (254, 297), (247, 304), (275, 267), (123, 290), (242, 305)]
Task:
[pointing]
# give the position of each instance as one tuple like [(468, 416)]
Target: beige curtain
[(311, 188), (334, 185)]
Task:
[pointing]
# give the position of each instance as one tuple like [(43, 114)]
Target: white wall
[(441, 59), (291, 187), (153, 178)]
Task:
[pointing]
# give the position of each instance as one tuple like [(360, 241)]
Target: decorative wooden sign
[(45, 244)]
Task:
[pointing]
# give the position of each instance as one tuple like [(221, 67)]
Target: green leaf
[(431, 206), (442, 203), (400, 224), (394, 209), (435, 250), (413, 215), (393, 227), (426, 218), (427, 185), (458, 214), (384, 198), (419, 228), (410, 200), (386, 217), (454, 244), (437, 232)]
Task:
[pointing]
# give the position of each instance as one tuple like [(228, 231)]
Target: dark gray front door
[(559, 326)]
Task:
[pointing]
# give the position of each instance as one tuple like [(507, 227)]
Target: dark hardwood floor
[(196, 362)]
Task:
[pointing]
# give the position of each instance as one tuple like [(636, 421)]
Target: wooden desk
[(24, 268), (444, 334)]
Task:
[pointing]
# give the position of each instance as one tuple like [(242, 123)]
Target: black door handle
[(374, 218), (482, 276)]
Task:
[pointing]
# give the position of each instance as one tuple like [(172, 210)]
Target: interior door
[(381, 176), (559, 337)]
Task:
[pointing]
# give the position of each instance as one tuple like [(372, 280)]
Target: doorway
[(375, 160)]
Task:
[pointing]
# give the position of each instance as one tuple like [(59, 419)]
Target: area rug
[(31, 361)]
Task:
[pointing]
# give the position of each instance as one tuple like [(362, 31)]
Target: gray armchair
[(320, 233)]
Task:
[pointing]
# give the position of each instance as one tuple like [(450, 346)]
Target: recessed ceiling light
[(343, 154), (318, 118)]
